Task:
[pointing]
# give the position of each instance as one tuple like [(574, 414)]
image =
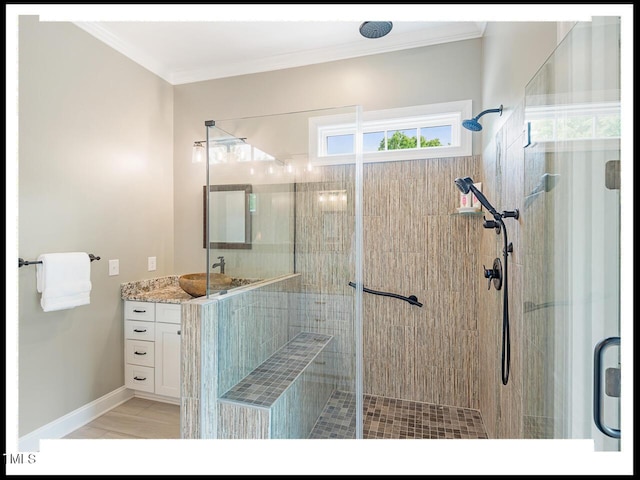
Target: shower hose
[(506, 343)]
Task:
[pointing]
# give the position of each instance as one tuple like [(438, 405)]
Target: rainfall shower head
[(466, 185), (472, 123), (375, 29)]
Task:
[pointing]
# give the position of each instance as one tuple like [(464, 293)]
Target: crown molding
[(125, 48), (448, 32)]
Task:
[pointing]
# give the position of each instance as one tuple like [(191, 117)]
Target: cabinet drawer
[(138, 377), (168, 312), (139, 352), (144, 311), (138, 330)]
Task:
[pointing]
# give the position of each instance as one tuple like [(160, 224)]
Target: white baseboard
[(74, 420), (157, 398)]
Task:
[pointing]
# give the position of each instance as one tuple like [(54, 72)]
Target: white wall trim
[(157, 398), (74, 420)]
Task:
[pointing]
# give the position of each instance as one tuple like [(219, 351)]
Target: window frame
[(420, 116)]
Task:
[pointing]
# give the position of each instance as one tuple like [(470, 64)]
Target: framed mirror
[(229, 216)]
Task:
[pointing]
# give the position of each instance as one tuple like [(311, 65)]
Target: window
[(427, 131), (589, 121)]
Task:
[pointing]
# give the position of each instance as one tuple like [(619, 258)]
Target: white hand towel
[(64, 279)]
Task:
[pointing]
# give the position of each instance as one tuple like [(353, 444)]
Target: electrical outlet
[(114, 267), (151, 263)]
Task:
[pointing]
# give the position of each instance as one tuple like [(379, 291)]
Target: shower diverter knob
[(494, 274)]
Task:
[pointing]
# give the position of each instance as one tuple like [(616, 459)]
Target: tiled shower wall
[(414, 244), (503, 168), (231, 334), (524, 408)]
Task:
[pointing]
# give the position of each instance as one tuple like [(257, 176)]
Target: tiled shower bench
[(283, 396)]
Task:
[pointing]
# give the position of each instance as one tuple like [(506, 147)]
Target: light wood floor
[(136, 418)]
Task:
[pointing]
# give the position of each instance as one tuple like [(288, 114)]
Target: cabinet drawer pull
[(140, 353), (140, 379), (139, 311), (139, 331), (179, 332)]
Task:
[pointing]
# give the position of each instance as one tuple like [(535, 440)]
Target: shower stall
[(312, 344), (345, 316)]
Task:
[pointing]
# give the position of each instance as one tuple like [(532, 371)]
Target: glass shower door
[(282, 225), (572, 217)]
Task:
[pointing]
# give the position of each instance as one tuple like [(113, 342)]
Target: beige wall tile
[(413, 245)]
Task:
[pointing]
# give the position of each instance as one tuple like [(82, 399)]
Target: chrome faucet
[(219, 264)]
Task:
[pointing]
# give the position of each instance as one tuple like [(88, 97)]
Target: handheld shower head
[(466, 184), (472, 123)]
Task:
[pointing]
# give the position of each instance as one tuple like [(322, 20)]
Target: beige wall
[(435, 74), (512, 54), (95, 174)]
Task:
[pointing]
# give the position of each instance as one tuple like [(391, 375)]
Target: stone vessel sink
[(195, 284)]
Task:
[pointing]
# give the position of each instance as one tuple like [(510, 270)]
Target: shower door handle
[(598, 353)]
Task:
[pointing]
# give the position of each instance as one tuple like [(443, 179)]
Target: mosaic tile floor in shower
[(396, 419)]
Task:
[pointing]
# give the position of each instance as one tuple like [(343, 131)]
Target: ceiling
[(192, 51)]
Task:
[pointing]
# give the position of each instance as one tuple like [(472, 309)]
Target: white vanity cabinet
[(152, 347), (167, 353)]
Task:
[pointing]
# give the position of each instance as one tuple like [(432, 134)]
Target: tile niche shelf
[(475, 213)]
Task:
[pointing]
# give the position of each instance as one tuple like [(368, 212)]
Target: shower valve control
[(491, 224), (494, 274), (511, 214)]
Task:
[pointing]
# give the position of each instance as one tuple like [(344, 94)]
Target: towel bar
[(22, 262)]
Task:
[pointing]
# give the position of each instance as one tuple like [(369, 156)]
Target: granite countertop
[(167, 289), (161, 290)]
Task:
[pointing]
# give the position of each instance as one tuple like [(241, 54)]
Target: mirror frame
[(247, 189)]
